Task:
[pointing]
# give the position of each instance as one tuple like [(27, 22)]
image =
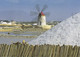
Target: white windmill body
[(41, 19)]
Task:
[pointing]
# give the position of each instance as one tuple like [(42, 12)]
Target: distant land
[(22, 15)]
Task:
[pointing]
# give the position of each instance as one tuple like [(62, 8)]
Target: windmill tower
[(41, 17)]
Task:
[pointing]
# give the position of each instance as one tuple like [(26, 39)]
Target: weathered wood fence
[(21, 50)]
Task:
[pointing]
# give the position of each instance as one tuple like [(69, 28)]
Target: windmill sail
[(41, 17)]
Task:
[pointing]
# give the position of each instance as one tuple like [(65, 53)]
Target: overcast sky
[(19, 10)]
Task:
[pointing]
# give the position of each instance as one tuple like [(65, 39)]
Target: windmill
[(41, 17)]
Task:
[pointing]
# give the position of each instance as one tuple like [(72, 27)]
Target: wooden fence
[(21, 50)]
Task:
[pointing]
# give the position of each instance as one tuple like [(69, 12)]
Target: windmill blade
[(47, 13), (32, 13), (44, 8), (37, 8)]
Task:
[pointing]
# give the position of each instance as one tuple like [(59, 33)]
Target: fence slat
[(53, 51), (26, 50), (5, 50), (64, 51), (45, 50), (31, 48), (21, 50), (78, 55), (36, 51), (75, 51)]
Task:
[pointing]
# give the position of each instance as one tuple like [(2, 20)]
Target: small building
[(6, 22), (34, 24)]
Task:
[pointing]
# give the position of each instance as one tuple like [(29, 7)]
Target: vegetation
[(26, 23), (49, 23), (53, 22)]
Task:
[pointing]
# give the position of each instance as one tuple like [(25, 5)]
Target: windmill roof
[(42, 13)]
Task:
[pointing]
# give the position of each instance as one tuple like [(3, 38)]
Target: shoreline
[(34, 33), (12, 36)]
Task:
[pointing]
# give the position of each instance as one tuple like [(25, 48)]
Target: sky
[(19, 10)]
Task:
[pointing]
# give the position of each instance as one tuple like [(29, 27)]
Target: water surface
[(11, 40)]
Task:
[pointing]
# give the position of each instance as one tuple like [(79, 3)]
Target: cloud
[(13, 1), (58, 1), (53, 1), (47, 1)]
